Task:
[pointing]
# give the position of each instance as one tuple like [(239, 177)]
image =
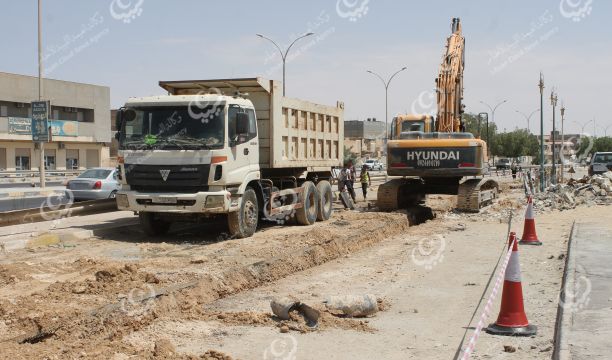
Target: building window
[(22, 159), (50, 159), (3, 110), (92, 158), (72, 159), (2, 159)]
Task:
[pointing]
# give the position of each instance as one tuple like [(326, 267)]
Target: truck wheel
[(152, 225), (243, 223), (324, 210), (307, 214)]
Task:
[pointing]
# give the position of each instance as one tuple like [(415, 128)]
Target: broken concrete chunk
[(281, 307)]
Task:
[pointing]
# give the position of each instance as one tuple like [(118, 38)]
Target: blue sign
[(40, 117), (23, 126)]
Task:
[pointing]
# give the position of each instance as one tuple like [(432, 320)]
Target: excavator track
[(476, 193), (388, 195)]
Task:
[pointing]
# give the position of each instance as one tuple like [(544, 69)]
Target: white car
[(373, 164)]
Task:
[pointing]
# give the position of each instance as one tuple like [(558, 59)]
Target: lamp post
[(284, 54), (562, 141), (606, 130), (553, 102), (41, 144), (528, 118), (492, 118), (386, 85), (542, 172)]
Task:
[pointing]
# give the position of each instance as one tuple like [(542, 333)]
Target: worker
[(513, 169), (350, 180), (365, 181)]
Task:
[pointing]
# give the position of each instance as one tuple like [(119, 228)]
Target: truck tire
[(152, 225), (326, 198), (307, 214), (243, 223)]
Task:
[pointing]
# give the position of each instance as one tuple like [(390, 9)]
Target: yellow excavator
[(436, 156)]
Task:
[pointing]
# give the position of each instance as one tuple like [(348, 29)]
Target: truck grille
[(174, 178)]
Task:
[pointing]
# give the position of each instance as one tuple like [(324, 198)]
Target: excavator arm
[(449, 84)]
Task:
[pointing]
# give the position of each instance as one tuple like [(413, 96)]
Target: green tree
[(589, 145)]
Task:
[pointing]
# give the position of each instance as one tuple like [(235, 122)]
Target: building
[(364, 138), (79, 118), (569, 145)]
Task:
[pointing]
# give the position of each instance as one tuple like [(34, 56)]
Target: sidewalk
[(586, 303)]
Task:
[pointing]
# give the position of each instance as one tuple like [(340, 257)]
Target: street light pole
[(492, 118), (562, 140), (284, 54), (553, 102), (41, 144), (542, 172), (386, 85), (528, 118)]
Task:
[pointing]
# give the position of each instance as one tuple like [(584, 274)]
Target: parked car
[(600, 163), (503, 164), (95, 183), (373, 164)]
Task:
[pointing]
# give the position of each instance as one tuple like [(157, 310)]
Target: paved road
[(587, 307)]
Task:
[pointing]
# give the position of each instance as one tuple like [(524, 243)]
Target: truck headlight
[(214, 201), (122, 200)]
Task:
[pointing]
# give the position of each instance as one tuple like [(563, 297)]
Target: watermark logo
[(353, 10), (138, 301), (429, 252), (575, 298), (282, 348), (206, 111), (126, 12), (283, 202), (575, 9), (425, 103), (50, 208)]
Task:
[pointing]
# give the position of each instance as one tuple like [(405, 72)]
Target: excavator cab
[(402, 125)]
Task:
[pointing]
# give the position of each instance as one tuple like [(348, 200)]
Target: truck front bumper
[(211, 202)]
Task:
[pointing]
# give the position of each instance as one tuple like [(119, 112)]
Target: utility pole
[(553, 102), (562, 141), (41, 144), (542, 172)]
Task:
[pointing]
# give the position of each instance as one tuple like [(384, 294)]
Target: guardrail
[(16, 217), (34, 173)]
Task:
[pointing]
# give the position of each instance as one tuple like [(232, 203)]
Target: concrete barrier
[(36, 215)]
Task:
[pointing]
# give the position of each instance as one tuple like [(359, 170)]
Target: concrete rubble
[(589, 190)]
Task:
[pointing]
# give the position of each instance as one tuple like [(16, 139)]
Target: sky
[(130, 45)]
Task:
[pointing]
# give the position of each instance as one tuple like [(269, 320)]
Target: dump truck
[(232, 150)]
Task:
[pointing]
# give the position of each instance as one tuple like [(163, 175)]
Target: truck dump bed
[(293, 133)]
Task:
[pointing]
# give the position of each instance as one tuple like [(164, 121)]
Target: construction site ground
[(96, 287)]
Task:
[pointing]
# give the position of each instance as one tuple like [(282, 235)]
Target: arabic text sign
[(23, 126), (40, 115)]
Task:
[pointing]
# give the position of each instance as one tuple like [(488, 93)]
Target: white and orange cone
[(512, 319), (530, 237)]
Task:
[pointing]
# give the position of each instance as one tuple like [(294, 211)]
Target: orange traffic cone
[(512, 319), (529, 230)]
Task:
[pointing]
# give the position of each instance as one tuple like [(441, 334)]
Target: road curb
[(564, 321)]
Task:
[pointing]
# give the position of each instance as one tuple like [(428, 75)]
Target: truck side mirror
[(242, 123)]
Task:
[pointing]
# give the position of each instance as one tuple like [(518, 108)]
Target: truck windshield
[(174, 127)]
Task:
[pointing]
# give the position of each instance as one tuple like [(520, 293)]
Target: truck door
[(244, 150)]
